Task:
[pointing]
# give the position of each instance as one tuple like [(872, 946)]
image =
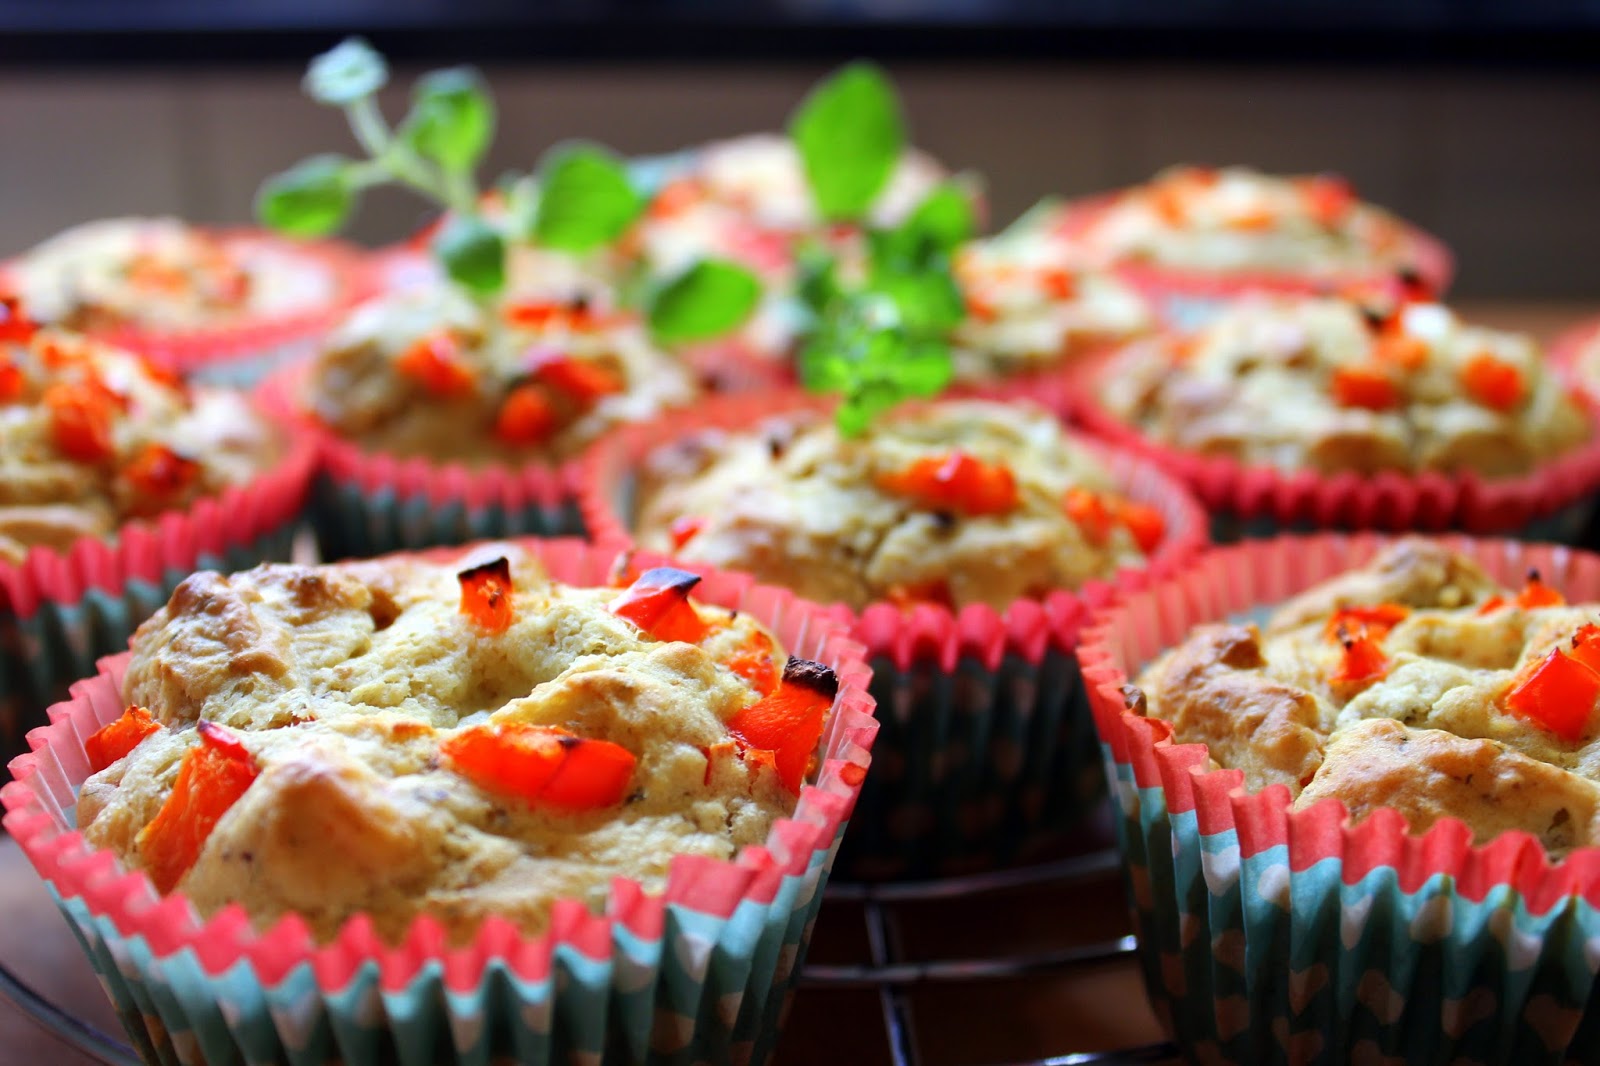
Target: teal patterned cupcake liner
[(60, 613), (698, 973), (986, 752), (1273, 935)]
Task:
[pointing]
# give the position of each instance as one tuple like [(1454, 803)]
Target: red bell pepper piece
[(211, 778), (435, 362), (1144, 522), (753, 661), (1535, 593), (486, 595), (1363, 661), (81, 417), (956, 481), (658, 603), (15, 326), (586, 383), (1493, 383), (160, 474), (1556, 693), (525, 417), (116, 739), (1365, 386), (543, 765), (684, 529), (1089, 513), (788, 721), (1374, 622)]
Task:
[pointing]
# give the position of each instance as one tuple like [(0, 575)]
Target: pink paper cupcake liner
[(1552, 502), (696, 972), (60, 611), (986, 754), (1273, 935)]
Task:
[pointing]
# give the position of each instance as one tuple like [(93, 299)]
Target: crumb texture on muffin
[(841, 519), (1330, 384), (1413, 682), (351, 687)]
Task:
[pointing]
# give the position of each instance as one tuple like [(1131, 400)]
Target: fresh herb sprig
[(581, 198), (879, 335)]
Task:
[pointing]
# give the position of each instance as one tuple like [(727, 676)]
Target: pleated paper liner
[(986, 754), (59, 612), (1552, 502), (1269, 935), (697, 973), (243, 350), (366, 503)]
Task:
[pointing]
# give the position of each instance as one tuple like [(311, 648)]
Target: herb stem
[(367, 123)]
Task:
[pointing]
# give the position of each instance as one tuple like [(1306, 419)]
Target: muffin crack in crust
[(1414, 682), (393, 755)]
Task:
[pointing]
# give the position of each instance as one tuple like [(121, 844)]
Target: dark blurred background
[(1480, 119)]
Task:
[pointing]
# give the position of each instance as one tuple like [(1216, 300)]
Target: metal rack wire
[(890, 971)]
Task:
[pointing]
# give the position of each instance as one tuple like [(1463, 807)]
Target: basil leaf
[(711, 298), (310, 199), (452, 118), (928, 302), (473, 254), (850, 136), (944, 219), (345, 73), (585, 199)]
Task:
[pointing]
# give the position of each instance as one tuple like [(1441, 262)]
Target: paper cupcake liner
[(1268, 935), (986, 753), (366, 503), (696, 973), (1553, 501), (59, 612)]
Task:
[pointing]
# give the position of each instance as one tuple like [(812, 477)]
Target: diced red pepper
[(658, 603), (525, 417), (1492, 604), (1089, 512), (12, 382), (956, 481), (1557, 693), (211, 778), (1493, 383), (1397, 348), (435, 362), (1363, 661), (1144, 522), (585, 382), (1535, 594), (1374, 622), (160, 474), (81, 420), (1329, 199), (1059, 284), (542, 765), (684, 529), (788, 722), (753, 661), (116, 739), (675, 198), (15, 326), (1170, 202), (486, 595), (1365, 386), (1586, 646), (1254, 220), (980, 309)]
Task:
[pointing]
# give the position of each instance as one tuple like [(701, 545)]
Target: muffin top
[(458, 738), (428, 371), (952, 503), (92, 436), (163, 275), (1032, 302), (1329, 384), (1414, 682), (1239, 219)]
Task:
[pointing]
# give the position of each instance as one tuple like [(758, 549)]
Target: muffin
[(1356, 774), (198, 299), (964, 542), (1280, 388), (116, 479), (445, 418), (479, 763)]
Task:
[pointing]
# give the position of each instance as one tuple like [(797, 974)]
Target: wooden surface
[(977, 1022)]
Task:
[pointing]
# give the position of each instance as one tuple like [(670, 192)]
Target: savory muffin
[(1414, 682), (92, 436), (457, 738), (430, 372), (1237, 219), (953, 503), (162, 275), (1332, 384)]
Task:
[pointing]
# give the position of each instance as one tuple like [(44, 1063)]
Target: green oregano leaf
[(310, 199), (346, 73), (850, 136), (585, 199), (452, 118), (473, 254), (944, 219), (711, 298)]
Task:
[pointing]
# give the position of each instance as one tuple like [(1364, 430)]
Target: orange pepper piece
[(80, 421), (544, 765), (486, 595), (1365, 386), (12, 383), (980, 309), (1144, 522), (584, 382), (211, 778), (1401, 349), (753, 661), (1586, 646), (435, 363), (675, 198), (160, 473), (15, 326), (684, 529), (788, 721), (1492, 604), (525, 417), (1535, 593), (658, 603), (1363, 661), (116, 739), (956, 481), (1328, 198), (1090, 513), (1059, 284), (1493, 383), (1375, 622), (1254, 220), (1557, 693)]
